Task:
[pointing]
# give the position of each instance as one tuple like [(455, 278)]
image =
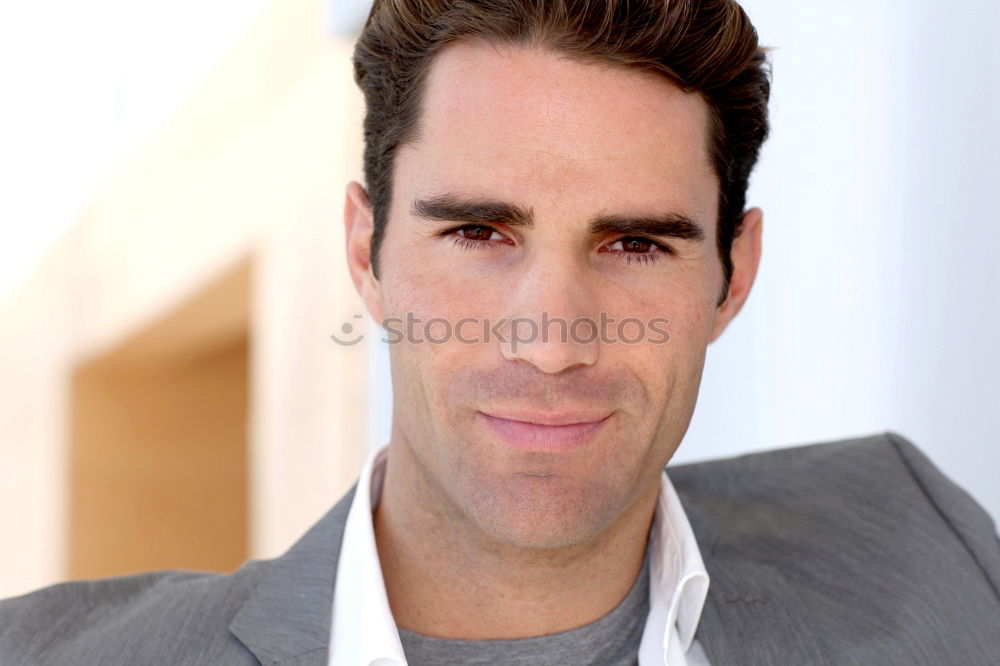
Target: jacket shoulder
[(884, 472), (865, 536), (152, 617), (845, 482)]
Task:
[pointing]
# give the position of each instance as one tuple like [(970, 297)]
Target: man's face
[(575, 152)]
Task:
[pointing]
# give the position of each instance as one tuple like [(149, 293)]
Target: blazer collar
[(750, 615), (287, 618)]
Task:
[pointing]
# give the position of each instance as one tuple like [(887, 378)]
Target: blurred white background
[(878, 301), (84, 84)]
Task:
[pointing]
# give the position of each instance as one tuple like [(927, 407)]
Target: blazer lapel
[(287, 618), (752, 612)]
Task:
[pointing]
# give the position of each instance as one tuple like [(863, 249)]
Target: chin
[(540, 513)]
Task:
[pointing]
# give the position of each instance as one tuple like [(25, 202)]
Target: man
[(547, 179)]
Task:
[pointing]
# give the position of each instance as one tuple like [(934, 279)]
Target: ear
[(746, 258), (358, 227)]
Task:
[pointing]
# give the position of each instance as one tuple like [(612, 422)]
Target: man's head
[(576, 161), (704, 46)]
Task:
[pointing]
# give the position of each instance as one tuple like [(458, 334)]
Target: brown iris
[(640, 245), (477, 232)]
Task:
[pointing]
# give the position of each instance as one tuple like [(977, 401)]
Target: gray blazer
[(851, 552)]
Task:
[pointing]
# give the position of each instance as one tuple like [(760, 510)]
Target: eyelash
[(644, 258), (466, 244)]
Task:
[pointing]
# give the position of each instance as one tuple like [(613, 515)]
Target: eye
[(636, 249), (473, 236)]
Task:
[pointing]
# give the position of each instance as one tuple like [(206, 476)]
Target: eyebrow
[(449, 208)]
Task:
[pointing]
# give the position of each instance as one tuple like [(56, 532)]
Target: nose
[(551, 320)]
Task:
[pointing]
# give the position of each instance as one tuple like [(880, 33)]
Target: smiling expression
[(541, 186)]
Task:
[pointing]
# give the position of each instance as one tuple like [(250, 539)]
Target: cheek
[(685, 301), (426, 284), (408, 289), (671, 370), (429, 355)]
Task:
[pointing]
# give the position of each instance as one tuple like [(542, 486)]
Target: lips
[(544, 432)]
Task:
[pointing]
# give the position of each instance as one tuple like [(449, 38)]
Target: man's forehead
[(529, 117), (499, 79)]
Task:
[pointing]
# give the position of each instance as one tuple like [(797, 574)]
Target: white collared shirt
[(363, 631)]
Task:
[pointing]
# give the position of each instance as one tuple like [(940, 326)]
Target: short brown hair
[(704, 46)]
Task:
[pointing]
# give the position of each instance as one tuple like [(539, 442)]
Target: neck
[(445, 577)]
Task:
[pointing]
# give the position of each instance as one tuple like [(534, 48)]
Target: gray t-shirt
[(612, 640)]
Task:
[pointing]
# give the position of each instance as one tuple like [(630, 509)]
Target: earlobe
[(358, 229), (746, 252)]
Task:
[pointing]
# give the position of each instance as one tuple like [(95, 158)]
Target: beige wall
[(247, 177), (158, 441)]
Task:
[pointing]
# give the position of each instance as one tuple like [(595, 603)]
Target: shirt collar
[(678, 580), (364, 632)]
